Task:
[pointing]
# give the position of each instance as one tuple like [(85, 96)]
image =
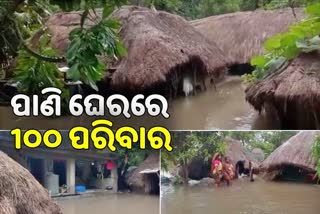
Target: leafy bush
[(316, 154), (301, 37)]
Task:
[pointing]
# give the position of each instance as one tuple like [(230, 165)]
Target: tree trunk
[(185, 174)]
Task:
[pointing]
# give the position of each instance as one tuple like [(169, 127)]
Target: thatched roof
[(297, 151), (236, 151), (157, 44), (241, 35), (136, 180), (294, 92), (20, 192), (6, 206)]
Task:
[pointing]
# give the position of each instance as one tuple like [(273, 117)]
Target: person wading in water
[(216, 169), (228, 171)]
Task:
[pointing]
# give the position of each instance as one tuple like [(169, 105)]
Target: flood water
[(221, 108), (111, 203), (243, 197)]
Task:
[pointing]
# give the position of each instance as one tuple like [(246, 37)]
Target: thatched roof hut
[(241, 35), (145, 178), (20, 192), (161, 47), (236, 151), (290, 95), (293, 155)]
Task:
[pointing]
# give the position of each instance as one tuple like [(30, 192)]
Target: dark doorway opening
[(59, 168), (240, 69), (37, 169)]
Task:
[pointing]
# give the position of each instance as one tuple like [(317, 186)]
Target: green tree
[(188, 145), (215, 7), (83, 54), (267, 141), (316, 154)]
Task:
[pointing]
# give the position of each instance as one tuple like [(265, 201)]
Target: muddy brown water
[(111, 203), (223, 108), (243, 197)]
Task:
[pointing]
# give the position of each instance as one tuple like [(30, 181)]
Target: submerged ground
[(121, 203), (243, 197)]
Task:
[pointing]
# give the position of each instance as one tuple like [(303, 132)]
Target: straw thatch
[(158, 44), (236, 151), (136, 180), (20, 192), (290, 95), (6, 206), (297, 151), (241, 35)]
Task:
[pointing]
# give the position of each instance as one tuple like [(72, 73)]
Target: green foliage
[(215, 7), (316, 154), (202, 8), (275, 4), (74, 5), (188, 145), (301, 37), (135, 156), (177, 179), (89, 43), (33, 74), (266, 141)]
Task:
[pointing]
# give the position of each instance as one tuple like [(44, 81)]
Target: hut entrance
[(152, 181), (188, 78), (294, 174), (59, 168), (240, 69), (36, 166)]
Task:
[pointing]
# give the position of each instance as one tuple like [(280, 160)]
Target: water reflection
[(242, 198), (111, 203)]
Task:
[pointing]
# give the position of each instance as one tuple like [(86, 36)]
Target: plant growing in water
[(302, 37)]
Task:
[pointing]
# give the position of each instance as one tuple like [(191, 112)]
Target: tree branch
[(32, 52)]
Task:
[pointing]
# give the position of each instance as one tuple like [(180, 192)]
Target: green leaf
[(273, 65), (273, 43), (107, 11), (112, 23), (313, 10), (93, 85), (74, 72), (75, 33), (121, 49), (258, 61)]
